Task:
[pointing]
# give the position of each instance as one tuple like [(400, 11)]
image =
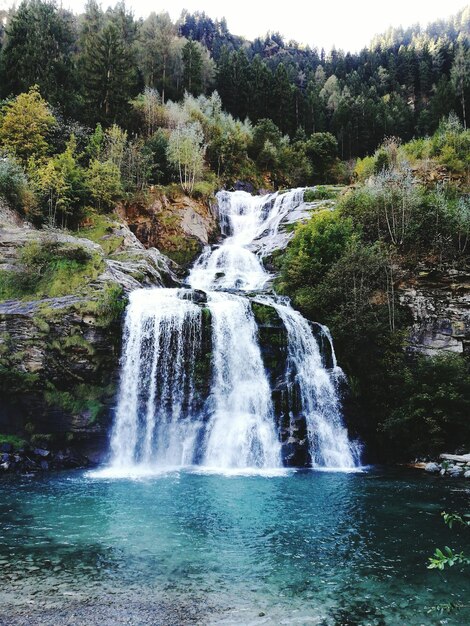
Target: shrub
[(432, 406), (13, 183)]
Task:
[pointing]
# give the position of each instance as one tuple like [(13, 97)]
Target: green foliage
[(322, 192), (204, 190), (13, 382), (38, 50), (454, 518), (107, 69), (111, 305), (322, 151), (186, 153), (432, 406), (364, 168), (396, 210), (24, 126), (265, 315), (316, 247), (51, 270), (13, 183), (95, 145), (103, 182), (448, 558), (81, 400), (16, 442), (60, 188), (101, 229)]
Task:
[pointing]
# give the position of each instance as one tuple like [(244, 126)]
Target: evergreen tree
[(38, 50), (108, 73), (155, 49), (192, 73)]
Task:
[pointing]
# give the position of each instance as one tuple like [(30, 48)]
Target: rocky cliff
[(439, 301), (60, 328), (179, 226)]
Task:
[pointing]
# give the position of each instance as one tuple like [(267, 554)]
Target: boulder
[(432, 468), (455, 471), (458, 458)]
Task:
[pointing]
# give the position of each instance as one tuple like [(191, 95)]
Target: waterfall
[(161, 419), (329, 445), (156, 421), (241, 429)]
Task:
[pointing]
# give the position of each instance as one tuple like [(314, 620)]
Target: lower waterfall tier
[(225, 381)]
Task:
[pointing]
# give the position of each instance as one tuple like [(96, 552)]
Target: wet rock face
[(439, 302), (292, 427), (179, 227)]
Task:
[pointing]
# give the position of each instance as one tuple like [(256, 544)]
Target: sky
[(345, 24)]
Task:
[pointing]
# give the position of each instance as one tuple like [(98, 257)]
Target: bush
[(431, 407), (316, 246), (13, 183), (321, 192), (103, 181), (204, 190)]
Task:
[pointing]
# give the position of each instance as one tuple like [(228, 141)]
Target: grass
[(265, 315), (83, 398), (322, 192), (15, 442), (100, 229), (50, 269)]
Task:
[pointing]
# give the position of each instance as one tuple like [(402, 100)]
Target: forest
[(91, 67)]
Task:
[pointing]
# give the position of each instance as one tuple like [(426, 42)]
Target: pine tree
[(192, 73), (38, 51), (108, 74), (155, 47)]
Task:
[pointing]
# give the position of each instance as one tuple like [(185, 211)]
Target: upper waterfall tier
[(244, 220)]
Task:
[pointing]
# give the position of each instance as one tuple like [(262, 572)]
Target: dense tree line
[(91, 66)]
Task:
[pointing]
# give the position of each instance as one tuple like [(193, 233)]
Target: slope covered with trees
[(91, 66)]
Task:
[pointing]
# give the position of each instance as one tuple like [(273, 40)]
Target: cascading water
[(156, 421), (240, 431), (160, 421)]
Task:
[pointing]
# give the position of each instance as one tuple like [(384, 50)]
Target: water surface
[(320, 548)]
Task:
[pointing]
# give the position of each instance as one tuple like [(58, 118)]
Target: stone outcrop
[(179, 226), (451, 465), (59, 355), (439, 302)]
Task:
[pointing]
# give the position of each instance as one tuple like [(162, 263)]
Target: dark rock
[(241, 185), (5, 457), (439, 303), (195, 295), (44, 465), (6, 447), (41, 452)]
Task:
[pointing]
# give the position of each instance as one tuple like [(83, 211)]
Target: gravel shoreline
[(108, 612)]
